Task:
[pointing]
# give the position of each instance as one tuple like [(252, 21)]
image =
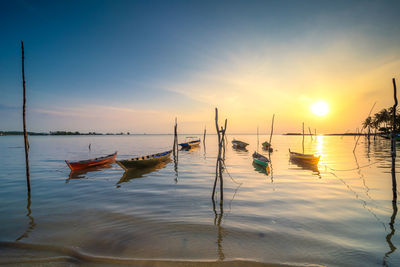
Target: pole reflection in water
[(176, 168), (217, 222), (32, 223), (389, 237)]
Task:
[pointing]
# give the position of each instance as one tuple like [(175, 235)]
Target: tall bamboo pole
[(26, 142), (394, 182), (175, 148), (394, 120)]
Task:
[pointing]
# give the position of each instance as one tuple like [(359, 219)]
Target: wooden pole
[(272, 130), (315, 133), (394, 182), (310, 133), (394, 119), (175, 148), (224, 139), (26, 142), (303, 138), (221, 180), (220, 158)]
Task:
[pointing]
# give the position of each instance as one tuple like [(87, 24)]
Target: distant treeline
[(3, 133), (382, 121)]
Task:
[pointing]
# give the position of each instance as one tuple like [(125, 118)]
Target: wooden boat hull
[(239, 144), (90, 163), (145, 161), (260, 160), (309, 158), (190, 144), (261, 163), (262, 169)]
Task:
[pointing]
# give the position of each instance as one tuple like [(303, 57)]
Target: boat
[(309, 158), (267, 146), (239, 144), (262, 169), (191, 142), (144, 161), (89, 163), (260, 160), (388, 136)]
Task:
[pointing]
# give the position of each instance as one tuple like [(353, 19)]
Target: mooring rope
[(353, 169)]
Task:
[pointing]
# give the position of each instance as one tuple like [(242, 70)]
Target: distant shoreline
[(65, 133)]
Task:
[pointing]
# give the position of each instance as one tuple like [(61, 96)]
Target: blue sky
[(136, 65)]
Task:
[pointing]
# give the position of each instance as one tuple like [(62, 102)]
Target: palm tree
[(367, 124)]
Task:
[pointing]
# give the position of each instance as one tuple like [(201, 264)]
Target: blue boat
[(191, 142)]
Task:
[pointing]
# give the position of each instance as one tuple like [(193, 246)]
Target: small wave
[(75, 256)]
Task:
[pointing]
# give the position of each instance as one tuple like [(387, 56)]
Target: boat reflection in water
[(135, 173), (240, 149), (306, 165), (189, 148), (261, 169), (81, 174)]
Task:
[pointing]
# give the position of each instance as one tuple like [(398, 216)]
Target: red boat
[(83, 164)]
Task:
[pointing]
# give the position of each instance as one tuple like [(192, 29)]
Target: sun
[(320, 108)]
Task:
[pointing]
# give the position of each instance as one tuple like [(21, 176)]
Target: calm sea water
[(340, 214)]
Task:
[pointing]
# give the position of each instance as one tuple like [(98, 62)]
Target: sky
[(112, 66)]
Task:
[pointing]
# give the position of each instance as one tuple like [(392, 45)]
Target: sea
[(341, 212)]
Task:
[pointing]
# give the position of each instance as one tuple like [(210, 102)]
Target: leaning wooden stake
[(28, 182), (272, 130), (310, 133), (362, 129)]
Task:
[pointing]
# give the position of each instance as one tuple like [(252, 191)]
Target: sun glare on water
[(320, 108)]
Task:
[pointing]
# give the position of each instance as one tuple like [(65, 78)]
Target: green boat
[(144, 161), (260, 160)]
